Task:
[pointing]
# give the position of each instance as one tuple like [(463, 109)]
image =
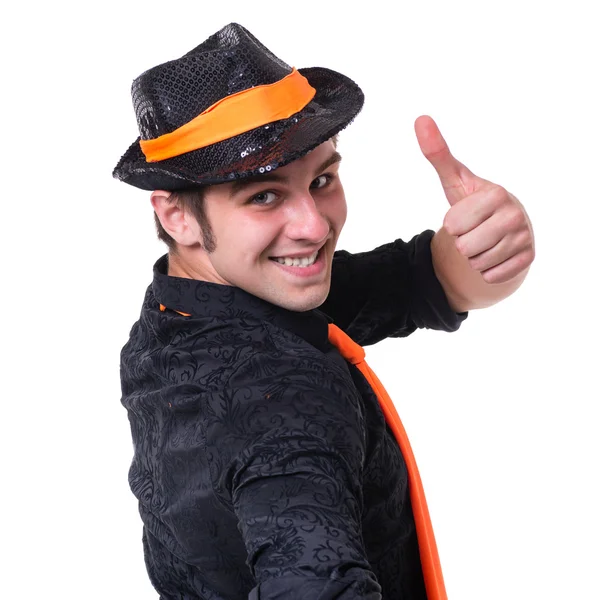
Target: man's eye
[(263, 198), (321, 181)]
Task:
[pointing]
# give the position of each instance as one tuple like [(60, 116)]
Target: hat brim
[(336, 102)]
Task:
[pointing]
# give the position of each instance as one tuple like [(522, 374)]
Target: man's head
[(272, 235), (242, 147)]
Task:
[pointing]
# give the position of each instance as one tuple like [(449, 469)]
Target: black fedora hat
[(202, 118)]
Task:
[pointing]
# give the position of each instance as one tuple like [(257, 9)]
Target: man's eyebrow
[(240, 184), (336, 157)]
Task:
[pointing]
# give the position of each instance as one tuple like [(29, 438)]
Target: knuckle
[(515, 218), (523, 239), (522, 261), (528, 256), (499, 194)]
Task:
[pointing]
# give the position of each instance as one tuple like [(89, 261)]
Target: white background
[(502, 414)]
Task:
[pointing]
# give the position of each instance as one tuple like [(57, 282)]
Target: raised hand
[(490, 225)]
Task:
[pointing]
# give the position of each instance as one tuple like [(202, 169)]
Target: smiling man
[(269, 461)]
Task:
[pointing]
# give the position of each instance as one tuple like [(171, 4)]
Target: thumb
[(456, 179)]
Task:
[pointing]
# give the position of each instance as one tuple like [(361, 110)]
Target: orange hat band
[(233, 115)]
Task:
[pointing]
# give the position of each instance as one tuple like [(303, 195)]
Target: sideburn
[(209, 242)]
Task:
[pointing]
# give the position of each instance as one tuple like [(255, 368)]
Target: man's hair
[(192, 201)]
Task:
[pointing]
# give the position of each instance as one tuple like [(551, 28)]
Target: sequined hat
[(230, 109)]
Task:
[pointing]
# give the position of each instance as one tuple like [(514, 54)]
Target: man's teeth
[(298, 262)]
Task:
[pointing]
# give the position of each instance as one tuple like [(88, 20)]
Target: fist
[(490, 226)]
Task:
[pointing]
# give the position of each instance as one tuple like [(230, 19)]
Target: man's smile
[(297, 260), (304, 265)]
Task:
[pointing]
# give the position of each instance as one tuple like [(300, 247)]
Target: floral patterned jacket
[(262, 462)]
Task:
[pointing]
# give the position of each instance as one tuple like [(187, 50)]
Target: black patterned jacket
[(262, 462)]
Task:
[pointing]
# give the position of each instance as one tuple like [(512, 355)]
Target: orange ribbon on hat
[(430, 560), (233, 115)]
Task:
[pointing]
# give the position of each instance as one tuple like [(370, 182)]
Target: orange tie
[(430, 561)]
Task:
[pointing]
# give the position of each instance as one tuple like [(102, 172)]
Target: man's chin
[(303, 304), (299, 301)]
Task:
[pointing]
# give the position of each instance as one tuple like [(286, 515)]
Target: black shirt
[(262, 462)]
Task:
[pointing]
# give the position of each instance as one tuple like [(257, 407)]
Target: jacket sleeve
[(389, 292), (290, 466)]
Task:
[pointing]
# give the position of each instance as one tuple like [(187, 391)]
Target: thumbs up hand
[(490, 226)]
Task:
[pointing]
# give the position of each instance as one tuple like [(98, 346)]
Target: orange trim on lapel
[(163, 308)]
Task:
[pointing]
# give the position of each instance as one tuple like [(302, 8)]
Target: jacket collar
[(203, 299)]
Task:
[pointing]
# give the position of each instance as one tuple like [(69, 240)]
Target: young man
[(269, 461)]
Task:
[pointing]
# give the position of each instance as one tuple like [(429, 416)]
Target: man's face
[(276, 234)]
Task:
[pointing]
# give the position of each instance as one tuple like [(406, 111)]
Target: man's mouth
[(296, 261)]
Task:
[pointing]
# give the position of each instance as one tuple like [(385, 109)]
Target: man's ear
[(175, 221)]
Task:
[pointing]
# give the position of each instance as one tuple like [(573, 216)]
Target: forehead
[(311, 164)]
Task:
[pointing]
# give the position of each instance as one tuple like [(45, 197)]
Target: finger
[(473, 210), (510, 268), (456, 179), (482, 238), (506, 248)]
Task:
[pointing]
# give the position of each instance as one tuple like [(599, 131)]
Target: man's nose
[(306, 222)]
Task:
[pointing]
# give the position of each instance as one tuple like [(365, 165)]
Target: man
[(269, 461)]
